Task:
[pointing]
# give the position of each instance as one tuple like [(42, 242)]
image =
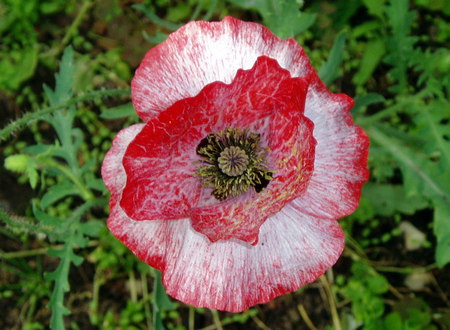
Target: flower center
[(233, 161)]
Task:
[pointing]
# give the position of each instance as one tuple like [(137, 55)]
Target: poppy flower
[(233, 184)]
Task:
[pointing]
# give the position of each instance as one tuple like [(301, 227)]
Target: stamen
[(233, 161)]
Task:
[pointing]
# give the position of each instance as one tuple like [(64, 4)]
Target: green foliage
[(17, 66), (400, 43), (392, 56), (365, 289), (19, 50), (161, 302), (373, 53), (283, 17), (329, 70)]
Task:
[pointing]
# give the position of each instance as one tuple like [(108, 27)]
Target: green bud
[(17, 163)]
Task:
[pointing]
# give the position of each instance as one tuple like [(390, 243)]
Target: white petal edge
[(293, 249), (203, 52), (113, 172), (340, 166)]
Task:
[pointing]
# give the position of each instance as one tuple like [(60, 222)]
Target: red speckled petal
[(340, 167), (159, 166), (113, 173), (288, 135), (200, 53), (161, 160), (293, 249)]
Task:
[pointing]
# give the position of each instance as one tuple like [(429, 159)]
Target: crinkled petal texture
[(233, 254), (293, 249), (161, 160)]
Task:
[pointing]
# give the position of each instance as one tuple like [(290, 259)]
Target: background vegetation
[(61, 268)]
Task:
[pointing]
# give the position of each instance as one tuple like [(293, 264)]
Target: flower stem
[(31, 116), (331, 302)]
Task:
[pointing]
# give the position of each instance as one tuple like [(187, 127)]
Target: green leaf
[(390, 199), (432, 124), (442, 232), (160, 301), (44, 218), (157, 38), (121, 111), (155, 18), (60, 276), (375, 7), (282, 17), (372, 57), (329, 70), (17, 66), (400, 44), (58, 192), (33, 175), (365, 100), (64, 80), (423, 176), (393, 322)]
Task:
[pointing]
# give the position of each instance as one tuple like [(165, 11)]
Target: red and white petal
[(161, 160), (288, 135), (113, 173), (340, 166), (159, 166), (200, 53), (293, 249)]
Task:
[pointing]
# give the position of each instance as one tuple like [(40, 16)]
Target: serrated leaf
[(60, 276), (432, 124), (58, 192), (423, 176), (282, 17), (375, 7), (400, 44), (91, 228), (329, 70), (96, 184), (64, 80), (44, 218)]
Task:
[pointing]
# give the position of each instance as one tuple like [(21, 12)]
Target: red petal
[(340, 167), (293, 250), (159, 165), (113, 172), (200, 53), (288, 135), (160, 162)]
